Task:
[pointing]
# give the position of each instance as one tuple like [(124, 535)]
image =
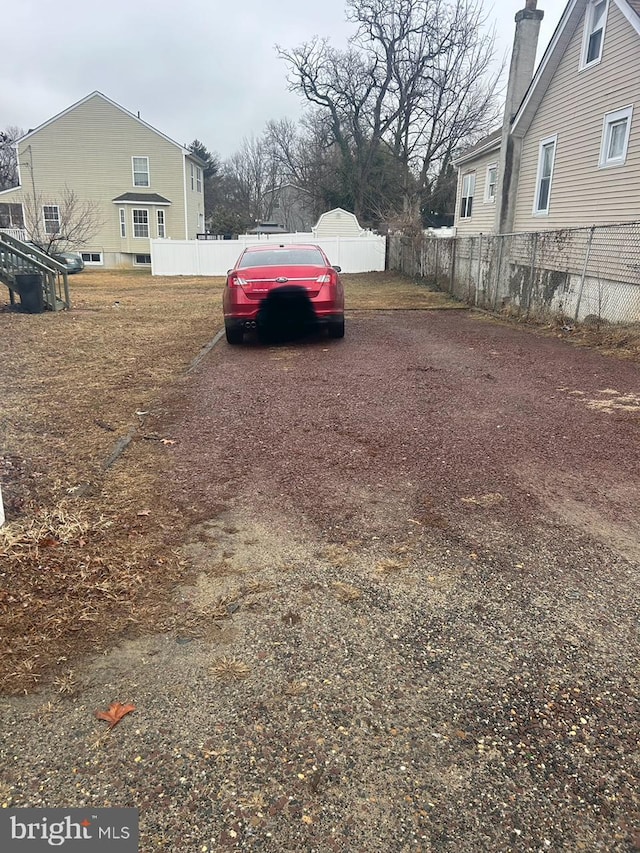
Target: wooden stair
[(19, 263)]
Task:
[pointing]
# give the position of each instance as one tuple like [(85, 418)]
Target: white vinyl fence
[(214, 257)]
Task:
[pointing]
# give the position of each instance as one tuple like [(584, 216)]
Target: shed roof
[(144, 198)]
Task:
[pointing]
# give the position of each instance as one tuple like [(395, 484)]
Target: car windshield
[(283, 257)]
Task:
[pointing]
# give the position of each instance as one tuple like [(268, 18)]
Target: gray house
[(291, 207), (97, 156)]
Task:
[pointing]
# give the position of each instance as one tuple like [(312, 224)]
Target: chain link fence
[(578, 273)]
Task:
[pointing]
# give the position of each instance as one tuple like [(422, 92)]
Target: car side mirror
[(229, 271), (337, 268)]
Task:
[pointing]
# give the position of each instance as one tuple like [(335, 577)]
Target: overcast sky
[(203, 69)]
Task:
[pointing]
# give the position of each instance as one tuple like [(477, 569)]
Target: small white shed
[(338, 223)]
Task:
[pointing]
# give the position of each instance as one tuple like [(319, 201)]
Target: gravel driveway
[(412, 622)]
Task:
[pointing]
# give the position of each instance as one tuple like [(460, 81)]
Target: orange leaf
[(115, 713)]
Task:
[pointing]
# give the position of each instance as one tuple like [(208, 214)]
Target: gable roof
[(284, 187), (483, 146), (571, 17), (97, 94)]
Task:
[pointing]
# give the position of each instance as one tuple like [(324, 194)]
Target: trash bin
[(29, 286)]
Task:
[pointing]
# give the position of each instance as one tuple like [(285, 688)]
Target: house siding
[(574, 107), (195, 200), (88, 149), (291, 208), (483, 213)]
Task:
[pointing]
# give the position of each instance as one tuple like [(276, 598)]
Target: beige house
[(137, 183), (568, 153)]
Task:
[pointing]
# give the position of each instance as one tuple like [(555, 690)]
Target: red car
[(282, 290)]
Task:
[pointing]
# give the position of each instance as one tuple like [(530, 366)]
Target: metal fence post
[(498, 265), (552, 274), (584, 272), (532, 269), (453, 265), (479, 278)]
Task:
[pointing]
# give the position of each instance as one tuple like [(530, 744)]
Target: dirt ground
[(408, 618)]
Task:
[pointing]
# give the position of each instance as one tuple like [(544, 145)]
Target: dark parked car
[(72, 261), (281, 291)]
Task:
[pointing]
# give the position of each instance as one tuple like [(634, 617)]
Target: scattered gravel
[(411, 622)]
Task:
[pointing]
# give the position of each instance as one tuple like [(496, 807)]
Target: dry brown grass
[(346, 592), (615, 339), (229, 669), (391, 566), (87, 552), (393, 291), (71, 375), (620, 341), (77, 570)]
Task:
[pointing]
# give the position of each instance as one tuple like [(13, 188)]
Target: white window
[(162, 232), (594, 26), (92, 258), (142, 260), (140, 223), (198, 179), (123, 222), (468, 187), (615, 137), (490, 183), (192, 174), (546, 159), (51, 216), (141, 172)]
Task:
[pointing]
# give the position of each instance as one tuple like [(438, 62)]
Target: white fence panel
[(215, 257)]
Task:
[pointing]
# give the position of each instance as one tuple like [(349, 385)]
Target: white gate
[(365, 253)]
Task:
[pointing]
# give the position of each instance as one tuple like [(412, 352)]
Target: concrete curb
[(124, 441), (203, 352)]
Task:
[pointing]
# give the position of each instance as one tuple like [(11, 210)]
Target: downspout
[(33, 180), (184, 185)]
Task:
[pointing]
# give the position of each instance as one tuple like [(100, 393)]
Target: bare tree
[(414, 84), (307, 157), (251, 173), (8, 158), (68, 224), (347, 89)]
